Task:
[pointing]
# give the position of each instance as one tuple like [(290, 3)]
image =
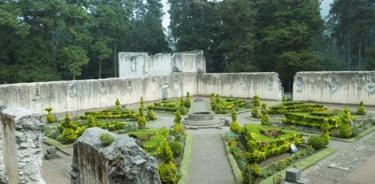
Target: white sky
[(324, 10)]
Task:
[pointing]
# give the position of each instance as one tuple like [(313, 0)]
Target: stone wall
[(141, 64), (267, 85), (76, 95), (344, 87), (123, 161), (21, 138)]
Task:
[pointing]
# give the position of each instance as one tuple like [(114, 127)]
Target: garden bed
[(263, 151), (224, 105)]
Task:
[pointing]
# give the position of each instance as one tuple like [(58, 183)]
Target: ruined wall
[(344, 87), (141, 64), (123, 161), (87, 94), (246, 85), (21, 141)]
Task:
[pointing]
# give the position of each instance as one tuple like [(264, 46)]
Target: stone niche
[(21, 138), (123, 161)]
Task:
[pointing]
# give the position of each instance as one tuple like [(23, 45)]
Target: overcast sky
[(324, 10)]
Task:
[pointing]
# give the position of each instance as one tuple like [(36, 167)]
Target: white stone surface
[(343, 87), (22, 135), (267, 85), (140, 64)]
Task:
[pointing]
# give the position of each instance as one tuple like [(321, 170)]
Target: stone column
[(22, 138)]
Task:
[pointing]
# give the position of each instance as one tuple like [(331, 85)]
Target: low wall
[(65, 96), (21, 138), (349, 87), (244, 85)]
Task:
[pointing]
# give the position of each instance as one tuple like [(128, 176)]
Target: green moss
[(106, 139)]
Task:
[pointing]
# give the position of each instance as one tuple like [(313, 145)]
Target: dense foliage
[(221, 105)]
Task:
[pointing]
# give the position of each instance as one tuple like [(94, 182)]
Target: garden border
[(233, 163), (304, 163), (185, 163)]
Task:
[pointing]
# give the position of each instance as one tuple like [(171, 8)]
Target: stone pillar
[(123, 161), (21, 139)]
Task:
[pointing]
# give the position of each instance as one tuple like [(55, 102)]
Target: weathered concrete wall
[(344, 87), (123, 161), (140, 64), (245, 85), (21, 146), (87, 94)]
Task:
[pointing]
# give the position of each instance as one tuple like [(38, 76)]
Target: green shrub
[(265, 119), (235, 127), (166, 154), (151, 114), (51, 132), (182, 109), (141, 122), (68, 136), (256, 101), (265, 109), (255, 112), (234, 114), (177, 148), (168, 172), (317, 142), (325, 136), (117, 104), (188, 100), (154, 144), (255, 170), (142, 103), (50, 117), (91, 121), (106, 139), (345, 129), (361, 109), (284, 99)]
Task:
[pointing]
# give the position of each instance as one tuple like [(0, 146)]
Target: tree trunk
[(100, 69), (115, 59)]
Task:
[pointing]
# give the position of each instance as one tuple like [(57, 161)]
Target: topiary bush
[(234, 114), (256, 101), (361, 109), (68, 136), (141, 119), (235, 127), (178, 128), (50, 117), (265, 119), (151, 114), (188, 100), (255, 112), (117, 104), (177, 148), (142, 103), (317, 142), (345, 129), (168, 173), (106, 139)]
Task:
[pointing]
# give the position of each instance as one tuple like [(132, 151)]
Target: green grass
[(233, 163), (305, 163), (185, 163)]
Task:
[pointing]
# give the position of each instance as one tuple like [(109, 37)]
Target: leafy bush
[(50, 116), (235, 127), (255, 112), (256, 101), (225, 105), (296, 106), (317, 142), (142, 122), (106, 139), (178, 128), (234, 114), (168, 173), (68, 136), (177, 148), (188, 100), (91, 121), (361, 109), (151, 114), (265, 119), (117, 104), (142, 103), (345, 129)]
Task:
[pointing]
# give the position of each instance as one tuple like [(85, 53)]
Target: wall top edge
[(335, 72), (243, 73), (162, 53)]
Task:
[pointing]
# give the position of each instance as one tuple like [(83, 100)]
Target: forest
[(45, 40)]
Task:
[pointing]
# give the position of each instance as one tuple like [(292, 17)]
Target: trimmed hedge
[(295, 106), (309, 120)]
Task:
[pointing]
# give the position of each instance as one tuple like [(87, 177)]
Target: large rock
[(123, 161), (21, 133)]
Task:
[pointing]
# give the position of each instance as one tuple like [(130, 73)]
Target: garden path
[(209, 163)]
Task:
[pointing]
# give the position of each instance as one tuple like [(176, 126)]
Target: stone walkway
[(209, 163)]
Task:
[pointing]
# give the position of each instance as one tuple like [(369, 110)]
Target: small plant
[(50, 116), (178, 128), (142, 103), (188, 100), (284, 99), (345, 129), (277, 179), (182, 109), (234, 114), (68, 136), (141, 119), (151, 114), (91, 121), (235, 127), (256, 101), (317, 142), (265, 109), (325, 131), (361, 109), (265, 119), (106, 139), (177, 148), (168, 172), (255, 112), (117, 104)]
